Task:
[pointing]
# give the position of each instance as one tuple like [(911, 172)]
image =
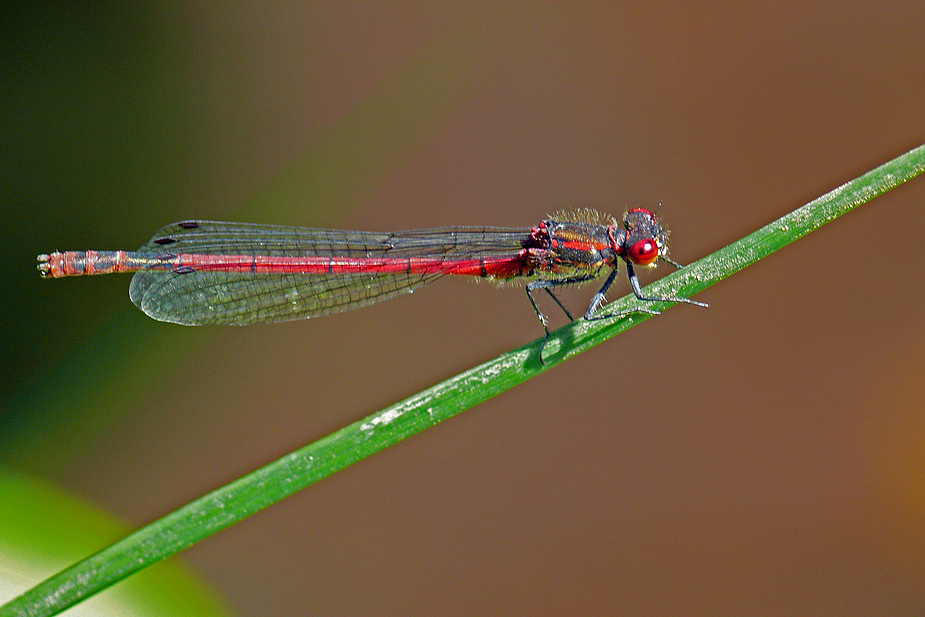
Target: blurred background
[(764, 456)]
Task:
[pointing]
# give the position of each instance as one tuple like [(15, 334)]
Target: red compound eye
[(644, 252)]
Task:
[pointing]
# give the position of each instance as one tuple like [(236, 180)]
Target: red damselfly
[(206, 272)]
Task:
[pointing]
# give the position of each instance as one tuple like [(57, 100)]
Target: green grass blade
[(282, 478)]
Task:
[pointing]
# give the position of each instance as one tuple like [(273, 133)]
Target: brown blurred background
[(762, 457)]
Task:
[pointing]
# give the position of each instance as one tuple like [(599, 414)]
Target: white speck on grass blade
[(383, 419)]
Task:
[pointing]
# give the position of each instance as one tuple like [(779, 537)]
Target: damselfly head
[(646, 239)]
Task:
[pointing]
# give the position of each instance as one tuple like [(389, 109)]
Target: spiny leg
[(548, 286), (601, 296), (559, 302), (637, 291)]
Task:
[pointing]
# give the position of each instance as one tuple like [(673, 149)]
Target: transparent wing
[(194, 296)]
